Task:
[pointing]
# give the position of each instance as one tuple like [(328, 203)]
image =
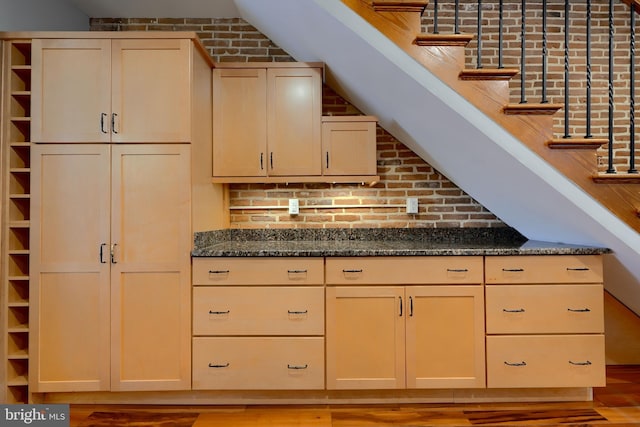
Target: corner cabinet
[(121, 90), (405, 322)]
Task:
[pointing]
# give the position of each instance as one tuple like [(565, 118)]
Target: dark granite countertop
[(376, 242)]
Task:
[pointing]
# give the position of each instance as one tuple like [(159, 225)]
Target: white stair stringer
[(448, 132)]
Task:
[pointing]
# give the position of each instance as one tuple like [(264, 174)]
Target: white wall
[(41, 15)]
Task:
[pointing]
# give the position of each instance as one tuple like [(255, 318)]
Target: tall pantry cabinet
[(113, 133)]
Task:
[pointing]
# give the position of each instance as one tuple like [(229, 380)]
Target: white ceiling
[(157, 8)]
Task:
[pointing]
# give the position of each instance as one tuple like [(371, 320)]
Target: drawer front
[(264, 310), (543, 269), (258, 271), (526, 309), (545, 361), (258, 363), (404, 270)]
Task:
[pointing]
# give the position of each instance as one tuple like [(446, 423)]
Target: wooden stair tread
[(488, 73), (425, 39), (577, 143), (617, 178), (542, 108), (399, 6)]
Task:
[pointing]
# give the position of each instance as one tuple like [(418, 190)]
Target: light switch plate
[(294, 208), (412, 205)]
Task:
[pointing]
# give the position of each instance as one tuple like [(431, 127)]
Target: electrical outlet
[(412, 205), (294, 207)]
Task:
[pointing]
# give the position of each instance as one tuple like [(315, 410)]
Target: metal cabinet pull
[(102, 117), (297, 366), (579, 310), (523, 363), (585, 363), (113, 253), (352, 271), (327, 160), (411, 306), (218, 271), (457, 270), (577, 269), (212, 365), (271, 159), (261, 161), (513, 270), (296, 271), (113, 122), (219, 312), (297, 312), (102, 245), (514, 310), (400, 306)]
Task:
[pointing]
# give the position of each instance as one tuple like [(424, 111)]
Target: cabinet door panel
[(294, 121), (239, 122), (445, 337), (71, 90), (69, 289), (151, 237), (349, 148), (365, 337), (151, 91)]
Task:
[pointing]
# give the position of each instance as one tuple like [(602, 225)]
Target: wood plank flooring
[(616, 405)]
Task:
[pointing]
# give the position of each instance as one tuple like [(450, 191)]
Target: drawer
[(545, 361), (264, 310), (258, 271), (544, 309), (404, 270), (543, 269), (258, 363)]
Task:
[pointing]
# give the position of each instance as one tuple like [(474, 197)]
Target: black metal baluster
[(610, 168), (632, 97), (435, 17), (500, 31), (588, 95), (479, 32), (457, 17), (566, 70), (523, 20), (545, 52)]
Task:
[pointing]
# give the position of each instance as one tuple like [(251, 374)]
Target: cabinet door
[(365, 337), (239, 122), (294, 121), (150, 281), (445, 337), (349, 148), (69, 271), (71, 90), (151, 91)]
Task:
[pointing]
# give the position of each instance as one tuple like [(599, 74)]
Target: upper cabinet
[(268, 127), (102, 90)]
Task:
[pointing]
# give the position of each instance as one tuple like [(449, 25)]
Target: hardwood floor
[(617, 405)]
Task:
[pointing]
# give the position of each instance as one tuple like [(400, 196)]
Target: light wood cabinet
[(103, 90), (396, 336), (110, 267), (267, 120), (349, 145), (545, 321)]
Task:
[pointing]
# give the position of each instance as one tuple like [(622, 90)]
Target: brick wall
[(403, 174)]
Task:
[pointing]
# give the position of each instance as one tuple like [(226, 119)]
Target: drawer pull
[(400, 306), (297, 312), (296, 271), (515, 310), (211, 365), (457, 270), (218, 271), (297, 366), (513, 270), (352, 271), (579, 310), (523, 363), (577, 269), (219, 312), (587, 363)]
